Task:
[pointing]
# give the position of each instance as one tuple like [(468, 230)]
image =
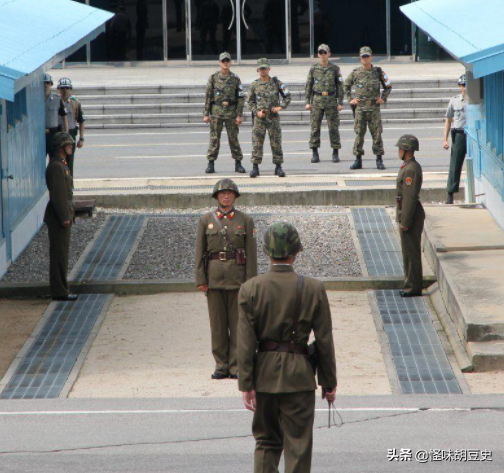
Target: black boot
[(239, 168), (210, 169), (315, 156), (449, 198), (379, 163), (255, 171), (357, 163), (279, 171), (335, 156)]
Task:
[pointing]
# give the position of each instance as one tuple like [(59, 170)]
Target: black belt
[(283, 347), (457, 130), (325, 94), (53, 130), (227, 102), (223, 255)]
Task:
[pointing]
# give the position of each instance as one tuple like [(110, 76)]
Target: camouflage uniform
[(367, 90), (265, 96), (224, 102)]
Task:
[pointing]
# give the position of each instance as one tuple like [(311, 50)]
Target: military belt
[(367, 102), (283, 347), (325, 94), (225, 103), (457, 130), (52, 130), (223, 255)]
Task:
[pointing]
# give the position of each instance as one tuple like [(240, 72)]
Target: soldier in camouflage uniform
[(366, 105), (224, 104), (324, 95), (267, 97)]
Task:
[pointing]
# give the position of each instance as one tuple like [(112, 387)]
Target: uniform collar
[(60, 159), (282, 268), (407, 162), (462, 97), (229, 214)]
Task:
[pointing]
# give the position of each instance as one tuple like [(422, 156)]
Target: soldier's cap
[(408, 143), (65, 83), (324, 47), (61, 139), (225, 184), (48, 79), (263, 62), (462, 80), (365, 51), (224, 56), (281, 240)]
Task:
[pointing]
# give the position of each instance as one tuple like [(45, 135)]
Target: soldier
[(456, 114), (366, 105), (224, 104), (324, 94), (278, 311), (265, 103), (59, 215), (410, 215), (226, 257), (75, 117), (54, 109)]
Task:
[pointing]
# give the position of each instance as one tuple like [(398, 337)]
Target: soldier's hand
[(446, 145), (330, 396), (276, 109), (380, 100), (249, 399), (206, 119), (239, 120), (404, 229), (308, 106), (355, 101), (80, 144), (203, 287), (66, 223), (340, 107), (260, 114)]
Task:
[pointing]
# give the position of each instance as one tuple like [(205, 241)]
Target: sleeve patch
[(341, 79), (409, 181)]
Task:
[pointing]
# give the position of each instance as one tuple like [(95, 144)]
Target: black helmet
[(48, 79), (65, 83)]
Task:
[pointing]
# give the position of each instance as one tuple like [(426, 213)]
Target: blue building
[(471, 31), (35, 36)]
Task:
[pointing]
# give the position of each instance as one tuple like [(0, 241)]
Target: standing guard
[(54, 111), (226, 257), (324, 95), (366, 105), (224, 104)]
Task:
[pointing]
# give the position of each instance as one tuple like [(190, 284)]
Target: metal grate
[(386, 182), (419, 358), (378, 241), (46, 366)]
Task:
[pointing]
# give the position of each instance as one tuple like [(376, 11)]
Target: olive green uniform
[(284, 382), (265, 96), (59, 209), (367, 114), (324, 92), (224, 101), (410, 214), (224, 278)]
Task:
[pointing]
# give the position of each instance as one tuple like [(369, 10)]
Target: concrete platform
[(465, 248)]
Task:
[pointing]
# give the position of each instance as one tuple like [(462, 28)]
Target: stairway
[(411, 101)]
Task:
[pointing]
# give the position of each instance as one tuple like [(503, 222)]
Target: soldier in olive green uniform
[(59, 215), (324, 95), (278, 311), (366, 105), (226, 257), (224, 104), (410, 215), (267, 97)]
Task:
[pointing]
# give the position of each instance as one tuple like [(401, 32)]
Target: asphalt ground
[(213, 435), (181, 152)]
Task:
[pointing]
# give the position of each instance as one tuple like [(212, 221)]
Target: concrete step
[(486, 356)]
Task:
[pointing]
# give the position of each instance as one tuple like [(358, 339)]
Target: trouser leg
[(70, 159), (219, 327), (360, 127), (275, 136), (333, 123), (411, 243), (458, 153), (376, 129), (297, 417), (268, 434), (59, 249), (232, 313), (258, 135), (316, 116), (234, 144), (216, 125)]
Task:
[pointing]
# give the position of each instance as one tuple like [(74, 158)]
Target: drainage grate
[(378, 241), (381, 182), (419, 358), (106, 258), (46, 366)]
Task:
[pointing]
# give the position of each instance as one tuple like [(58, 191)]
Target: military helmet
[(281, 240), (61, 139), (225, 185), (408, 143), (462, 80), (65, 83), (48, 79)]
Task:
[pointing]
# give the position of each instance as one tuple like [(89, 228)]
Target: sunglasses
[(226, 60), (322, 52), (262, 68), (366, 55)]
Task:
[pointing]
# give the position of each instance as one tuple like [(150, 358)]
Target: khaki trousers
[(284, 423), (59, 249)]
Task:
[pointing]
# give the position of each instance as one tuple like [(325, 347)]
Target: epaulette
[(73, 97)]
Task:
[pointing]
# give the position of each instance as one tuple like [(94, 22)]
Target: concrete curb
[(157, 286)]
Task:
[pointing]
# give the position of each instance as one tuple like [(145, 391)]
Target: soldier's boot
[(379, 163), (279, 171), (335, 156), (211, 168), (357, 163), (315, 156), (255, 171), (449, 198), (239, 168)]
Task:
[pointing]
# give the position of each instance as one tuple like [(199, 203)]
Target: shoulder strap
[(275, 80), (297, 310), (219, 224), (380, 75)]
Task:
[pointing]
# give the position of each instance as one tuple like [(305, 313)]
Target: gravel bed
[(167, 248), (33, 264)]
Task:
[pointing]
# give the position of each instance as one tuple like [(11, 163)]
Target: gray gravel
[(33, 264), (167, 248)]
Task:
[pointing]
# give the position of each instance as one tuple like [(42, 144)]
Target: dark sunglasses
[(322, 52), (366, 55), (226, 60)]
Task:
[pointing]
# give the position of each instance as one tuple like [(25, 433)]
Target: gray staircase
[(411, 101)]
